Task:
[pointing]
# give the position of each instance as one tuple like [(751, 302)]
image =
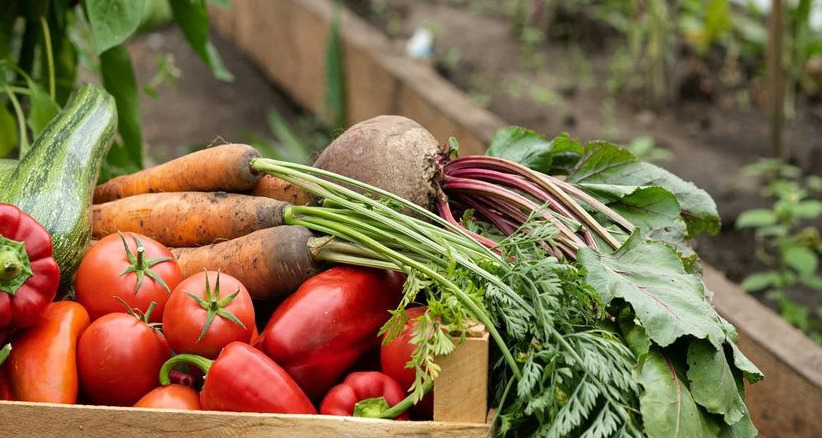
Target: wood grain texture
[(22, 420), (461, 390)]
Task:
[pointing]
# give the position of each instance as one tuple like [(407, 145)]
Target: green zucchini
[(7, 167), (55, 181)]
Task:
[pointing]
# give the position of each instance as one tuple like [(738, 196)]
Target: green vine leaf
[(112, 21), (667, 406), (120, 81), (668, 301)]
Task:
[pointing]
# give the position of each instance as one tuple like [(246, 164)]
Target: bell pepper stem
[(371, 407), (190, 359), (4, 353), (15, 267), (406, 403)]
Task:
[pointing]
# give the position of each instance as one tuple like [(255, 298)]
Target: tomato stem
[(214, 306), (188, 359)]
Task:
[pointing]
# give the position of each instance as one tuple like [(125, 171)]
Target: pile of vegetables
[(361, 271)]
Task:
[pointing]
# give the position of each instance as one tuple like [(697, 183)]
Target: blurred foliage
[(297, 142), (786, 241)]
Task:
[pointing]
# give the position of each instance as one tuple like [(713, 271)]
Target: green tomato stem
[(4, 353), (189, 359)]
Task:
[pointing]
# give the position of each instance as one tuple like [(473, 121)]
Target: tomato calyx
[(215, 306), (15, 267), (142, 267), (139, 314)]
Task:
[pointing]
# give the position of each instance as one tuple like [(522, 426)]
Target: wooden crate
[(460, 411)]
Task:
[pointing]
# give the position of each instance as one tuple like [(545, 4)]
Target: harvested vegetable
[(126, 268), (54, 182), (42, 366), (173, 396), (119, 356), (270, 263), (328, 323), (219, 168), (363, 150), (29, 276), (187, 218), (243, 379), (364, 394), (206, 312)]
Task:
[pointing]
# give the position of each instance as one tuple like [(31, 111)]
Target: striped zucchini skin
[(55, 181), (7, 167)]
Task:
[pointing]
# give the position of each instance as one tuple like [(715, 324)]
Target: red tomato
[(119, 359), (173, 396), (116, 267), (206, 312), (397, 353)]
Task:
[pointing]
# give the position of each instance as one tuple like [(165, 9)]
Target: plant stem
[(49, 56), (21, 122), (406, 403)]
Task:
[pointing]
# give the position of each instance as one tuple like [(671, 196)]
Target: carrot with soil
[(219, 168), (275, 188), (185, 219)]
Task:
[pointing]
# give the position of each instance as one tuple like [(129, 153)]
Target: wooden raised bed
[(286, 39), (460, 411)]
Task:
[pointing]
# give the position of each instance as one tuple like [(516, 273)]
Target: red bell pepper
[(29, 276), (395, 355), (375, 390), (243, 379), (318, 332)]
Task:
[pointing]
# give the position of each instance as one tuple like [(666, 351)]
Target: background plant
[(45, 44), (786, 243)]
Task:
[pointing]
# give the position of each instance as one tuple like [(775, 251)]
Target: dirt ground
[(198, 109)]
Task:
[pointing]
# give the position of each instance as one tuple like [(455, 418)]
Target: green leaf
[(223, 4), (119, 80), (667, 406), (41, 110), (742, 363), (668, 301), (112, 21), (8, 130), (634, 334), (192, 17), (712, 382), (607, 163), (743, 428), (808, 209), (801, 259), (535, 151), (760, 280), (758, 217)]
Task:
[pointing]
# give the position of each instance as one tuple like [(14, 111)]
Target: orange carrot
[(224, 167), (275, 188), (270, 263), (187, 218)]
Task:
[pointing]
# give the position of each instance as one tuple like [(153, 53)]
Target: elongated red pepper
[(243, 379), (331, 320), (29, 276), (365, 394), (42, 366)]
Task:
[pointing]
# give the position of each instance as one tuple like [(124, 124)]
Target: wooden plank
[(44, 420), (461, 390), (786, 403)]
